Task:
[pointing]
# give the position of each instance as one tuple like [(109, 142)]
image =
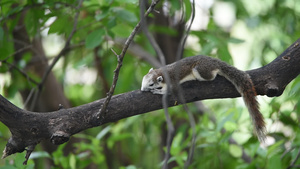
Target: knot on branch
[(273, 90), (59, 137)]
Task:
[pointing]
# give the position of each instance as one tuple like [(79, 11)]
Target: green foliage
[(94, 39), (266, 28), (17, 163)]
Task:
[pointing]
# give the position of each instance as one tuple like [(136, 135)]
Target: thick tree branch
[(29, 128)]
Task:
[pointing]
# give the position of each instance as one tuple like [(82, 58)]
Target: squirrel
[(204, 68)]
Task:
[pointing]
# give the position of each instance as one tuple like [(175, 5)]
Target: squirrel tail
[(249, 95), (243, 83)]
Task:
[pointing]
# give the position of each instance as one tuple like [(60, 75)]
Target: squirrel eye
[(151, 84)]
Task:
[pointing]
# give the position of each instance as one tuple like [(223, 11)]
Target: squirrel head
[(153, 81)]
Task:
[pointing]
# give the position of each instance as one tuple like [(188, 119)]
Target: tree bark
[(29, 128)]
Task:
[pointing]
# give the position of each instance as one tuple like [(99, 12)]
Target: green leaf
[(104, 13), (6, 2), (126, 15), (235, 40), (111, 23), (32, 21), (15, 10), (275, 148), (163, 30), (94, 38), (1, 34), (235, 150), (60, 25), (274, 162), (287, 119), (8, 167), (39, 154), (72, 161), (188, 10), (103, 132), (220, 124), (122, 31)]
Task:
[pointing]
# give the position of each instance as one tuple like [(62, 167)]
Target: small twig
[(151, 39), (29, 97), (139, 52), (98, 64), (294, 161), (65, 47), (17, 41), (191, 117), (17, 52), (48, 70), (20, 71), (193, 126), (35, 98), (161, 56), (171, 131), (28, 153), (286, 152), (120, 60), (180, 93), (184, 38)]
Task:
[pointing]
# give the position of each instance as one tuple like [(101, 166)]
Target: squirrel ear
[(151, 69), (160, 79)]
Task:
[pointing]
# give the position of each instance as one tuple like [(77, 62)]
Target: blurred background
[(246, 34)]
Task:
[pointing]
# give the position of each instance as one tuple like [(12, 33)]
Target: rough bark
[(29, 128)]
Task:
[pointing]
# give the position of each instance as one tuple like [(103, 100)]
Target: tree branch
[(29, 128)]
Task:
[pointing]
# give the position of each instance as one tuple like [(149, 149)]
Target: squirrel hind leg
[(205, 75)]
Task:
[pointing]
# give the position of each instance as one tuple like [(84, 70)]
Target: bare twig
[(139, 52), (180, 92), (151, 39), (20, 71), (193, 126), (65, 47), (48, 70), (120, 60), (98, 65), (29, 97), (286, 152), (294, 161), (171, 131), (161, 56), (191, 117), (184, 38), (16, 67), (18, 51)]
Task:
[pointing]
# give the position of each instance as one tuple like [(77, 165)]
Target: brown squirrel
[(204, 68)]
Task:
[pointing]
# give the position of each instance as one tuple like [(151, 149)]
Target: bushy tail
[(249, 95), (243, 83)]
